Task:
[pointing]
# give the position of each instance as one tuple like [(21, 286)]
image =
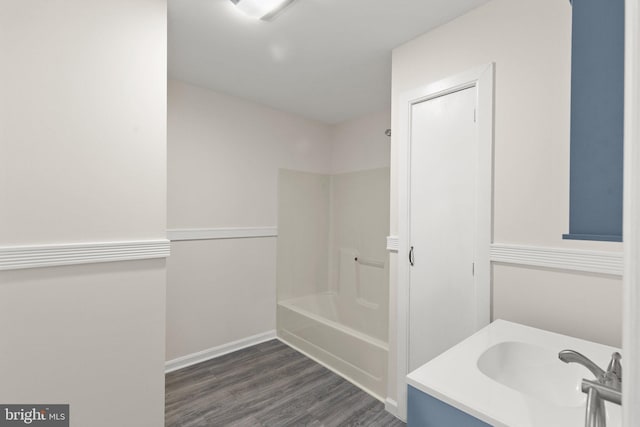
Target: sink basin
[(509, 375), (535, 371)]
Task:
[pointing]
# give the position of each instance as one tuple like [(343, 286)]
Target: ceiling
[(327, 60)]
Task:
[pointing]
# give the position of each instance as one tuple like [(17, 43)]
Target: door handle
[(411, 259)]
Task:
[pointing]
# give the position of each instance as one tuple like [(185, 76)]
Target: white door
[(444, 157)]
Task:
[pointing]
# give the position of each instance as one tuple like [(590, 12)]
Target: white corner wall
[(224, 157), (530, 44), (83, 160), (361, 144)]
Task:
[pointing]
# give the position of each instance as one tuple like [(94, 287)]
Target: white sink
[(535, 371), (509, 375)]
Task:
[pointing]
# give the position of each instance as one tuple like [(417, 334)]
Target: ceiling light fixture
[(261, 9)]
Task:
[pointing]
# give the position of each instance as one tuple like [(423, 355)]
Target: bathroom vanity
[(506, 375)]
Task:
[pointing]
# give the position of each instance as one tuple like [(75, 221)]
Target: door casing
[(482, 79)]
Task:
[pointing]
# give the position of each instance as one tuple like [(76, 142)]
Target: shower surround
[(332, 271)]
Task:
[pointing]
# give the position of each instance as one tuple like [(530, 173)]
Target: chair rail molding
[(50, 255), (180, 234), (603, 262)]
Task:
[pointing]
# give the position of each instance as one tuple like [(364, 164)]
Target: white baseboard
[(391, 407), (221, 350)]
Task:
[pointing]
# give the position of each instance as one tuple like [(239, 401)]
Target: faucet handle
[(613, 377)]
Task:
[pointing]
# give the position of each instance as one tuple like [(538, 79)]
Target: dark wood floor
[(269, 384)]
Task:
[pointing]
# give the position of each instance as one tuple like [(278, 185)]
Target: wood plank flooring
[(269, 384)]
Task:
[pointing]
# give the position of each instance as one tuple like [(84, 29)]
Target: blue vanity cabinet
[(424, 410)]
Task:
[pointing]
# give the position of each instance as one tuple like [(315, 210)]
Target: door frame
[(631, 233), (482, 78)]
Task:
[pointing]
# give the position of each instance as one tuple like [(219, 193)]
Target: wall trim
[(603, 262), (393, 243), (180, 234), (631, 220), (221, 350), (391, 406), (34, 256)]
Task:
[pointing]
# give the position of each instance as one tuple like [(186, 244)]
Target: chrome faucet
[(608, 385), (613, 376), (571, 356)]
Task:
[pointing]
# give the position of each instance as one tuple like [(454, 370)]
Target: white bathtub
[(346, 340)]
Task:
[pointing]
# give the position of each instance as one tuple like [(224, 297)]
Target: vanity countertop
[(460, 378)]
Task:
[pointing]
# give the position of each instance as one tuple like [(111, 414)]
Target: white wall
[(224, 157), (361, 143), (218, 292), (90, 336), (530, 44), (83, 159), (83, 118)]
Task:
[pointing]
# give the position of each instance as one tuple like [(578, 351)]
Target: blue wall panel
[(597, 111), (427, 411)]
